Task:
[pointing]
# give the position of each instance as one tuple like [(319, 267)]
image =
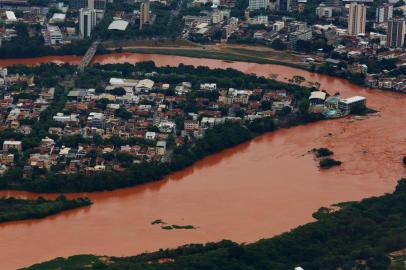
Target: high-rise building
[(395, 36), (144, 13), (87, 21), (283, 5), (257, 4), (384, 13), (90, 4), (356, 19), (95, 4), (323, 11)]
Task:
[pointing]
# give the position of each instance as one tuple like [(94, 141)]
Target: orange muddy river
[(256, 190)]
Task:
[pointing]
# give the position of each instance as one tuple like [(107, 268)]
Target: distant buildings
[(144, 13), (52, 35), (323, 11), (87, 21), (91, 4), (384, 13), (396, 33), (8, 145), (294, 37), (257, 4), (283, 5), (356, 19)]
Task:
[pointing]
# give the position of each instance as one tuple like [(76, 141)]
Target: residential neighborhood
[(126, 121)]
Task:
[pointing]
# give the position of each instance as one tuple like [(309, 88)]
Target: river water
[(255, 190)]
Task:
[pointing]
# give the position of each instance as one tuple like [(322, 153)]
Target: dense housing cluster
[(143, 117)]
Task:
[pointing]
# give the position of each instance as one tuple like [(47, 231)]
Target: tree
[(278, 44), (123, 113), (102, 103), (120, 91)]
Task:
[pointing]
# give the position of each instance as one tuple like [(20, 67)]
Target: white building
[(349, 104), (278, 26), (323, 11), (52, 35), (258, 4), (58, 18), (260, 19), (7, 145), (219, 16), (384, 13), (150, 136), (87, 21), (10, 17), (119, 25), (208, 86), (161, 148)]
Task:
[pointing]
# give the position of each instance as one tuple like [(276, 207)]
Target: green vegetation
[(172, 227), (322, 152), (358, 236), (327, 163), (178, 227), (18, 209), (226, 56), (157, 221)]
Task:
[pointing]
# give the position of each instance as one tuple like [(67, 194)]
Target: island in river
[(242, 193), (12, 209)]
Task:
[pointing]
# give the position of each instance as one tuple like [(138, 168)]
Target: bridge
[(87, 58)]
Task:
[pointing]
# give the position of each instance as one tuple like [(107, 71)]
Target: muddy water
[(255, 190)]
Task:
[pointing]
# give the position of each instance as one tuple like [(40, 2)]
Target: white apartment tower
[(356, 19), (384, 13), (87, 21)]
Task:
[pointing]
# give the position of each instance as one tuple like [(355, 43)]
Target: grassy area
[(267, 53), (229, 56)]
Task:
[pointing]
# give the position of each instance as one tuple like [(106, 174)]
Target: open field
[(227, 52)]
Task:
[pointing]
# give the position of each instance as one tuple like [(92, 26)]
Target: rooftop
[(120, 25)]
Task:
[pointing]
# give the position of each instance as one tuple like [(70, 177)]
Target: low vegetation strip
[(12, 209), (211, 54), (360, 235)]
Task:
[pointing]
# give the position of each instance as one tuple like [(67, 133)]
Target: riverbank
[(357, 235), (13, 209)]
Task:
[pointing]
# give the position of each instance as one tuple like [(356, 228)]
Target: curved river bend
[(255, 190)]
